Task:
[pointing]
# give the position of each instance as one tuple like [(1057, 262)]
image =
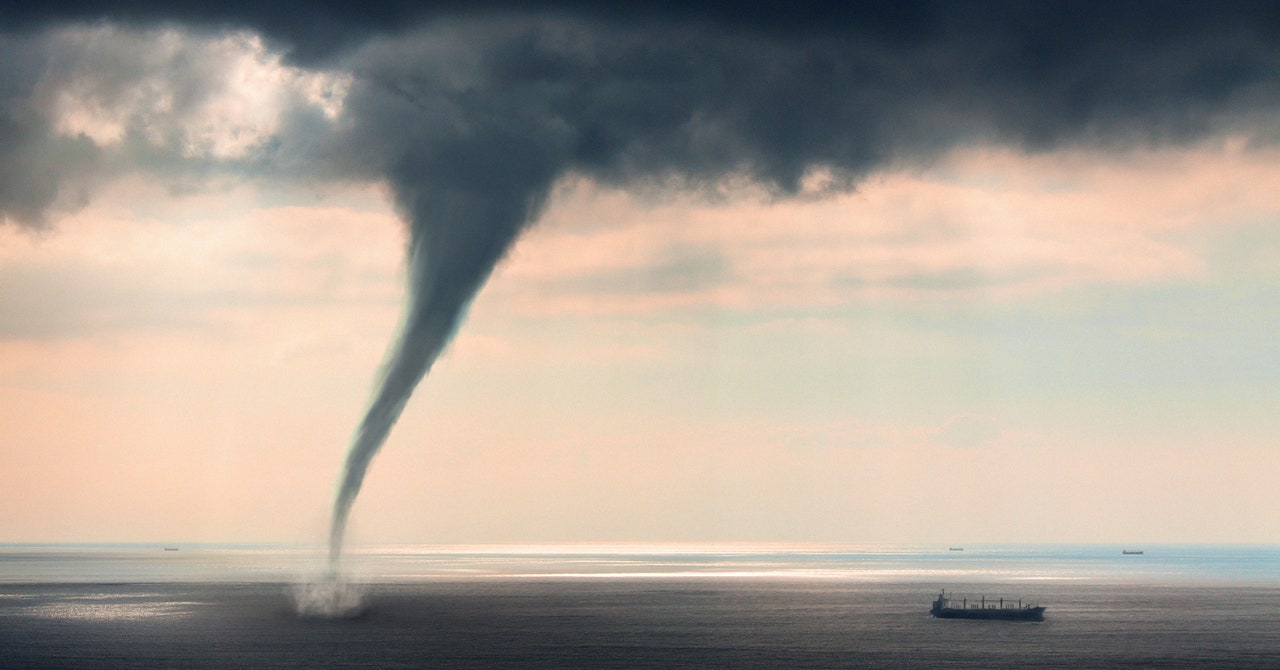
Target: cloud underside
[(504, 104)]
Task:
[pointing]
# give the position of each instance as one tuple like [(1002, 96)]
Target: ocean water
[(610, 606)]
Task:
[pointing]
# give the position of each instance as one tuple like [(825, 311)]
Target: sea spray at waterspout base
[(329, 596)]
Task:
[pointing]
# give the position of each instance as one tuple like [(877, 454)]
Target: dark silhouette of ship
[(984, 608)]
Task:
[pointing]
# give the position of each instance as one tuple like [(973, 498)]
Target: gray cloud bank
[(510, 96), (472, 115)]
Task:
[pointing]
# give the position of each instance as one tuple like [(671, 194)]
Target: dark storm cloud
[(1049, 30), (315, 29), (35, 163), (36, 167), (687, 91)]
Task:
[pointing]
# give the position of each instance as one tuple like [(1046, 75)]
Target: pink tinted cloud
[(107, 269), (982, 224)]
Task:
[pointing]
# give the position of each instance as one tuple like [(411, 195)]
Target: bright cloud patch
[(218, 96)]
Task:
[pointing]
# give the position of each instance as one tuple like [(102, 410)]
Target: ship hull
[(1023, 614)]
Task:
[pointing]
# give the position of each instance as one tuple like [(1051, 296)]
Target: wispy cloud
[(979, 226), (119, 273)]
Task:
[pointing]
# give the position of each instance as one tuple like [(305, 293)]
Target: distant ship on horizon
[(1132, 552), (982, 608)]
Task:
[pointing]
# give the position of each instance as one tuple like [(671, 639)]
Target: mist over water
[(329, 596)]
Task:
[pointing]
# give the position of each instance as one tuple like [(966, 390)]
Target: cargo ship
[(986, 608)]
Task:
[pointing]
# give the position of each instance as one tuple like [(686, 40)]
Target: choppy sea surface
[(638, 606)]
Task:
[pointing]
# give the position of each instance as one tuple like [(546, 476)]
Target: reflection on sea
[(410, 563), (110, 603), (98, 611)]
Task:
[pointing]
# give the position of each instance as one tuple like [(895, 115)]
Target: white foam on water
[(328, 596)]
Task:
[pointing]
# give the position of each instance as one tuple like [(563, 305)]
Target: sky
[(849, 273)]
